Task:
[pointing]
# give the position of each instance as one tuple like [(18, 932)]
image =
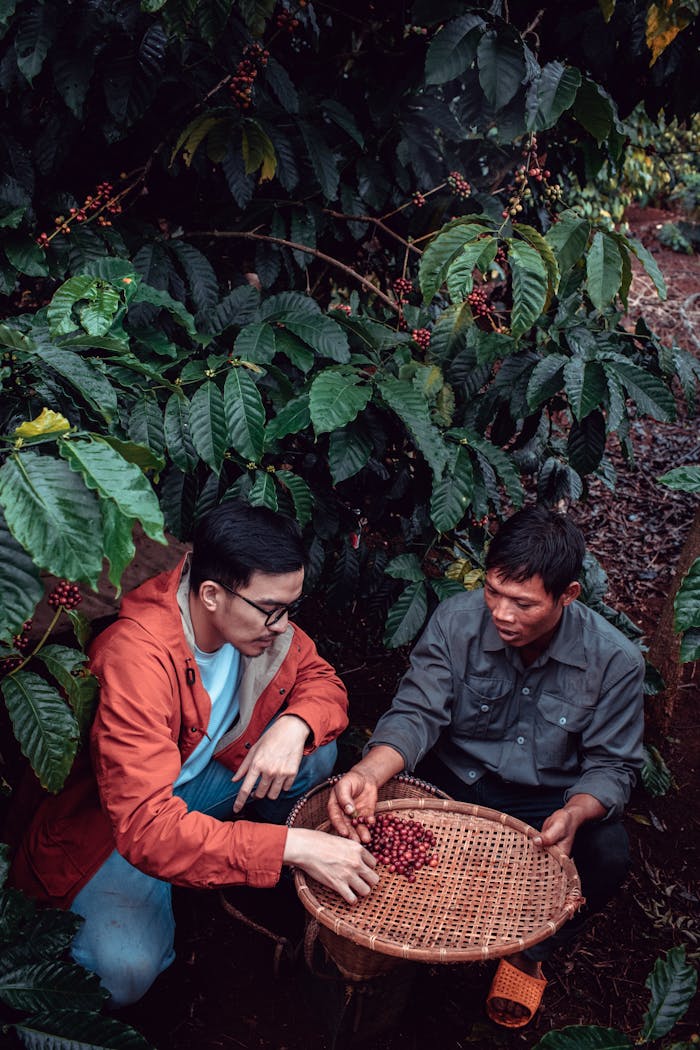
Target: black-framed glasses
[(271, 617)]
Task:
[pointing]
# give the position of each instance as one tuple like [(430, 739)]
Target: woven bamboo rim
[(312, 808), (493, 893)]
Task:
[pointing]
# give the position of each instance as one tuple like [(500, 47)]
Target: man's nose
[(503, 611), (281, 626)]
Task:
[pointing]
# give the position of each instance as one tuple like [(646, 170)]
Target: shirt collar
[(567, 645)]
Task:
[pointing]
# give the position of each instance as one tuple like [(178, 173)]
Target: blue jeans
[(128, 935)]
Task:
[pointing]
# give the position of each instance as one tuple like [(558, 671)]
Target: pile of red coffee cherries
[(404, 846)]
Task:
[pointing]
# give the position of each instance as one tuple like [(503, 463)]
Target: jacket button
[(282, 692), (193, 729), (248, 746)]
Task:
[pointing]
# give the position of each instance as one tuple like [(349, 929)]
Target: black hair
[(236, 539), (536, 541)]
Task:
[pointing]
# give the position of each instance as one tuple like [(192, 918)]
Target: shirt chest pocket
[(559, 727), (484, 709)]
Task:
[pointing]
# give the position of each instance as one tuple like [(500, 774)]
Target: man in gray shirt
[(520, 698)]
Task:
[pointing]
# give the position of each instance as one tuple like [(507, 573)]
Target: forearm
[(380, 764), (585, 808)]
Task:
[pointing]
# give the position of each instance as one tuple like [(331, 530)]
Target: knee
[(126, 976)]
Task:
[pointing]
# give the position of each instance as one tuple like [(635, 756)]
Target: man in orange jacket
[(212, 704)]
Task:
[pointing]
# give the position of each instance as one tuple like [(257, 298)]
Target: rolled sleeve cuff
[(260, 850), (606, 791)]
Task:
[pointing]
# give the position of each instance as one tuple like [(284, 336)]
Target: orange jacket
[(152, 711)]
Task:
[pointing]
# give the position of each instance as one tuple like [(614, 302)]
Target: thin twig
[(245, 235)]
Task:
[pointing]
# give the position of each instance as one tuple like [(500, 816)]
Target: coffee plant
[(47, 1000), (365, 299), (687, 601), (673, 983)]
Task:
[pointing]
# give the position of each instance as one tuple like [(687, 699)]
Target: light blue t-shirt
[(219, 671)]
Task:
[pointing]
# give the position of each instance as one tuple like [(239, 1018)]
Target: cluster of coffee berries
[(344, 308), (422, 337), (501, 257), (411, 30), (402, 289), (478, 300), (21, 642), (418, 199), (404, 846), (255, 58), (65, 595), (287, 22), (459, 185), (553, 193), (99, 205)]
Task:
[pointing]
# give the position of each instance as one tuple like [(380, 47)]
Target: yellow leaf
[(47, 422), (607, 7), (193, 136), (258, 151), (662, 28)]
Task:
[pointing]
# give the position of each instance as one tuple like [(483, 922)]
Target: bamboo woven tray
[(493, 893)]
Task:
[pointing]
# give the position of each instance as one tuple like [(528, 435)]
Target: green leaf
[(301, 494), (650, 265), (45, 728), (200, 275), (556, 91), (690, 646), (114, 478), (414, 412), (584, 1037), (501, 67), (451, 496), (256, 342), (144, 293), (652, 397), (500, 461), (35, 34), (83, 376), (245, 414), (655, 774), (60, 309), (546, 380), (20, 586), (208, 424), (50, 986), (405, 567), (141, 455), (568, 237), (69, 668), (682, 479), (673, 983), (177, 432), (459, 273), (593, 110), (586, 443), (53, 516), (585, 385), (336, 398), (263, 492), (603, 270), (529, 286), (687, 601), (344, 119), (256, 14), (349, 448), (321, 333), (25, 255), (535, 239), (322, 160), (406, 616), (118, 541), (441, 251), (453, 49), (291, 419), (78, 1029)]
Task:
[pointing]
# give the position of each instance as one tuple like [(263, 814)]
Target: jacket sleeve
[(317, 695), (137, 760)]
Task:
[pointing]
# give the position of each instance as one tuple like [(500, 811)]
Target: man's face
[(233, 620), (523, 612)]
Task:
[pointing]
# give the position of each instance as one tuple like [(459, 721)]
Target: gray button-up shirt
[(572, 719)]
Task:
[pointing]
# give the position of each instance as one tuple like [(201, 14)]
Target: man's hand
[(273, 762), (343, 866), (355, 794), (560, 827)]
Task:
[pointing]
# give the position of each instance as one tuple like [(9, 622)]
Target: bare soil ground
[(225, 991)]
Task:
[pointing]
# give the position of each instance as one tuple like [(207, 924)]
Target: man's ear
[(571, 593), (209, 595)]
